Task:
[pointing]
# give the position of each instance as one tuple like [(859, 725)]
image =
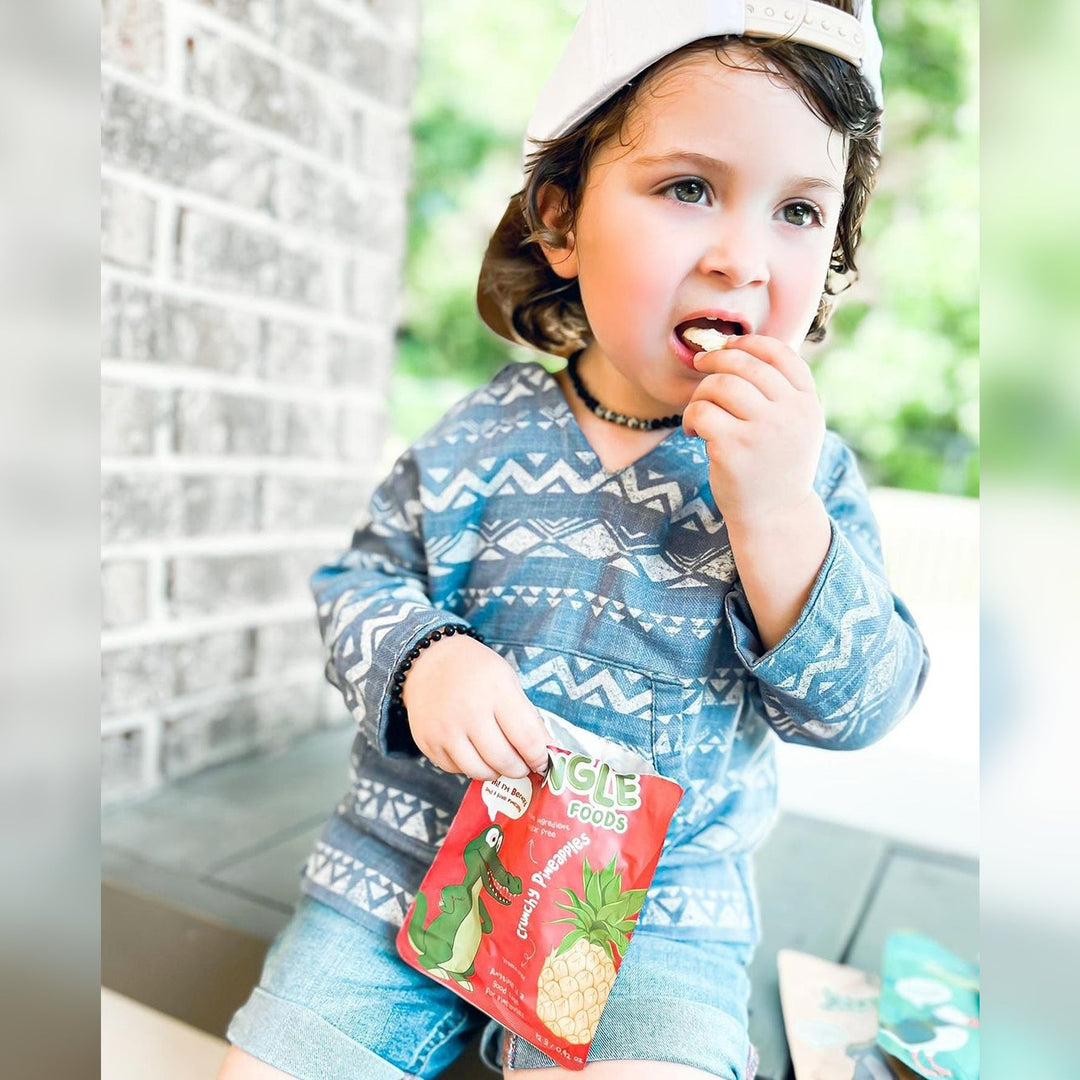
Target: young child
[(659, 543)]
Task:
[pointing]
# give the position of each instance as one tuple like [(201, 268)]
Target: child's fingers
[(470, 760), (774, 352), (704, 419), (520, 723), (772, 384), (732, 393), (498, 752), (442, 759)]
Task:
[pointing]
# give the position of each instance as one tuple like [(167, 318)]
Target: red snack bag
[(530, 904)]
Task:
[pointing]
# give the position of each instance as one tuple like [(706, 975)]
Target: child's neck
[(616, 446)]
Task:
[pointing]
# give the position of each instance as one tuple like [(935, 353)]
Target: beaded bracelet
[(397, 687)]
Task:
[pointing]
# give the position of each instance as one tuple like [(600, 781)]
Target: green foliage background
[(898, 371)]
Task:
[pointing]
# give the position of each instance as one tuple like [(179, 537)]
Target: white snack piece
[(706, 338)]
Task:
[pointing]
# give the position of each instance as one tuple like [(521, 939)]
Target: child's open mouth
[(702, 334)]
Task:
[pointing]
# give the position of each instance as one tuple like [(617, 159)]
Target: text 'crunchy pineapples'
[(531, 903)]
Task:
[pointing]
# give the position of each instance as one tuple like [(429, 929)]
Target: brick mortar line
[(130, 721), (164, 413), (356, 16), (253, 305), (173, 199), (201, 465), (157, 601), (207, 19), (361, 18), (165, 211), (173, 377), (337, 295), (225, 545), (203, 699), (164, 633), (282, 144), (172, 47)]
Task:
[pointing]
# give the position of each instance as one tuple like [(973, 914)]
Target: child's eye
[(691, 190), (802, 214)]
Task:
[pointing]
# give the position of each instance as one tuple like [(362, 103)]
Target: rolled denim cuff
[(850, 667), (813, 629)]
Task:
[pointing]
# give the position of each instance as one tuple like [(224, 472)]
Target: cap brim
[(505, 244)]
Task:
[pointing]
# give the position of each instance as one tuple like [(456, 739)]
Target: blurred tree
[(898, 372)]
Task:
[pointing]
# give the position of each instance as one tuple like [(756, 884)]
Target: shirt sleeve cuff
[(817, 620), (393, 737)]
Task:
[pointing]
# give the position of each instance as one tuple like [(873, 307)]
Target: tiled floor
[(138, 1043)]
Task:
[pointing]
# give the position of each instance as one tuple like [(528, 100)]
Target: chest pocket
[(680, 726), (605, 698), (696, 731)]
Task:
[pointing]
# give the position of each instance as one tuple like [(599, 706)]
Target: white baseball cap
[(615, 40)]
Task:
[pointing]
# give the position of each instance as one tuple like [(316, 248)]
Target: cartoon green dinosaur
[(448, 947)]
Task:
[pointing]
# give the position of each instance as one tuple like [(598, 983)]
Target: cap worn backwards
[(615, 40)]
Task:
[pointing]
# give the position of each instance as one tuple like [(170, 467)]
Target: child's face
[(662, 236)]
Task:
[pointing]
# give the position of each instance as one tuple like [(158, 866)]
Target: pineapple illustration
[(576, 977)]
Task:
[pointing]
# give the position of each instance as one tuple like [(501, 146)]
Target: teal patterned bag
[(929, 1008)]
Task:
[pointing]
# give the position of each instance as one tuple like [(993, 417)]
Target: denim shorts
[(336, 1002)]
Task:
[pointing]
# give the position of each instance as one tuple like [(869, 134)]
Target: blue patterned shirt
[(614, 596)]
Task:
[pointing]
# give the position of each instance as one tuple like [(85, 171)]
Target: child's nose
[(737, 250)]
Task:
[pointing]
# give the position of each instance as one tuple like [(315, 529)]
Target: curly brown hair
[(545, 310)]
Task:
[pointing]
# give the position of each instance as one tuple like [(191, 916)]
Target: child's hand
[(468, 713), (758, 411)]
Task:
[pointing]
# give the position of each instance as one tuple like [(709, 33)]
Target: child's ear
[(561, 252)]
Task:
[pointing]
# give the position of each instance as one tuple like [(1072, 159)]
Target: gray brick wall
[(251, 264)]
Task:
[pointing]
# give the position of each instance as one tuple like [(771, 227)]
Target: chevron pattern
[(699, 564), (342, 875), (465, 488), (870, 641), (692, 908), (615, 598), (579, 679), (835, 654), (400, 811), (586, 602)]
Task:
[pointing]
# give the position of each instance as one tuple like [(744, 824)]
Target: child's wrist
[(790, 519), (397, 683)]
